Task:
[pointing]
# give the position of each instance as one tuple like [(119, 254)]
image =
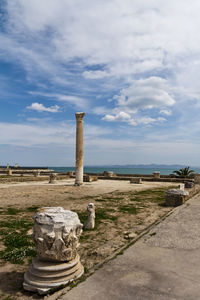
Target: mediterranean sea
[(124, 170)]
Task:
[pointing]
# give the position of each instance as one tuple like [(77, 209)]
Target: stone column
[(56, 235), (79, 148)]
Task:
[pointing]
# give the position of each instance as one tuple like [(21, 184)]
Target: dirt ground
[(121, 214)]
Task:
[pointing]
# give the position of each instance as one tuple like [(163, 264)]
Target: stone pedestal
[(109, 173), (71, 173), (56, 235), (90, 178), (136, 180), (79, 148), (9, 172), (36, 173), (52, 178), (156, 175)]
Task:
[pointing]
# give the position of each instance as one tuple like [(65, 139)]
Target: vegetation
[(15, 223), (184, 172), (13, 235)]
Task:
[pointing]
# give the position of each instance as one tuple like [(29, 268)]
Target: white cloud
[(121, 117), (166, 112), (145, 94), (78, 102), (127, 38), (140, 95), (134, 121), (41, 108)]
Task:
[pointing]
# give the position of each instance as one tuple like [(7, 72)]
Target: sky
[(132, 66)]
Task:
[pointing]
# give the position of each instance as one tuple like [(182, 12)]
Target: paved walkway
[(164, 264)]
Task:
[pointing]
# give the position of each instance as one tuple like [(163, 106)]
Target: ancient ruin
[(90, 223), (52, 178), (175, 197), (156, 175), (56, 235), (136, 180), (79, 148), (90, 178)]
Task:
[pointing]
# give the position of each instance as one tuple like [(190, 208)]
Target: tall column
[(79, 148)]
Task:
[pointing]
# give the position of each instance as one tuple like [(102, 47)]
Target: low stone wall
[(162, 179), (29, 178)]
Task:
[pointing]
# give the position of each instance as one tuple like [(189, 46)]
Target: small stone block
[(89, 178), (156, 174), (109, 174), (175, 197), (136, 180), (189, 185)]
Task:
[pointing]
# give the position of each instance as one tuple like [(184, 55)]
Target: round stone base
[(43, 276)]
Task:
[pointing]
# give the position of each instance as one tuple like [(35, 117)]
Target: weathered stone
[(136, 180), (36, 173), (156, 174), (109, 173), (71, 173), (56, 235), (43, 276), (197, 178), (189, 184), (130, 235), (52, 178), (181, 186), (9, 172), (79, 148), (175, 197), (90, 178), (90, 223)]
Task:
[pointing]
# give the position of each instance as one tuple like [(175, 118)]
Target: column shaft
[(79, 148)]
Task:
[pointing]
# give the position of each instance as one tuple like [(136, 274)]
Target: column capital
[(79, 115)]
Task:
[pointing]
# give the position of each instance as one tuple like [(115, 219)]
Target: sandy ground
[(95, 246), (31, 193)]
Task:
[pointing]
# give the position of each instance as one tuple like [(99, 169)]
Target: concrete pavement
[(164, 264)]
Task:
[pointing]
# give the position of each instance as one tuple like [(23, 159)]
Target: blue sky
[(133, 66)]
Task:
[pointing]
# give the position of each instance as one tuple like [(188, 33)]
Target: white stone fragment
[(90, 223)]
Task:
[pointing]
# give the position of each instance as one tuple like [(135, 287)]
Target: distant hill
[(143, 166)]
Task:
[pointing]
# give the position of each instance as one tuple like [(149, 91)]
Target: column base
[(78, 183), (43, 276)]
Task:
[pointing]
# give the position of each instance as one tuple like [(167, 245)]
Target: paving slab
[(164, 264)]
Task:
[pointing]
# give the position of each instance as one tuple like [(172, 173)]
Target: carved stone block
[(56, 235)]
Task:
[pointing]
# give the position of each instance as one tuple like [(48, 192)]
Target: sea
[(125, 170)]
